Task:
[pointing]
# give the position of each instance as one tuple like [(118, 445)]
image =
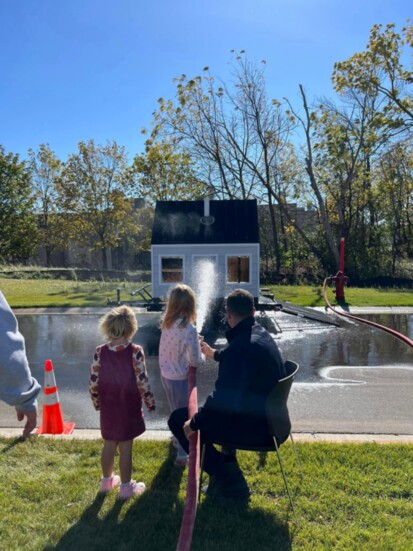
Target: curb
[(157, 435)]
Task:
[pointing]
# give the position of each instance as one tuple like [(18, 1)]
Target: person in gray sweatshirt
[(17, 386)]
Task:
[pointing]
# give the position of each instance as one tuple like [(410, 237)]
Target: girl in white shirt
[(179, 348)]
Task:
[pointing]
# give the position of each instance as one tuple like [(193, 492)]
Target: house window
[(238, 269), (172, 269)]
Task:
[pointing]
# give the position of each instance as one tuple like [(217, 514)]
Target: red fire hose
[(188, 519), (396, 334)]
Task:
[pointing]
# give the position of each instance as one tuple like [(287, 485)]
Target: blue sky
[(73, 70)]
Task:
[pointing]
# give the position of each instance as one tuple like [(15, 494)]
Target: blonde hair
[(119, 322), (181, 304)]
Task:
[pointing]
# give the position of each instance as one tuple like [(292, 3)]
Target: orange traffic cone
[(52, 421)]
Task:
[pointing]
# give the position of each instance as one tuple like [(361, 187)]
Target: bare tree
[(234, 133)]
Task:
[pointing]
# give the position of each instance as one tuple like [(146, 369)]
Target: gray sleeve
[(17, 386)]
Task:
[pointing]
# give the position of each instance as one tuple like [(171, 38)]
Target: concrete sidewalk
[(94, 434)]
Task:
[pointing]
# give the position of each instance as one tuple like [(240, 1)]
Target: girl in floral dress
[(118, 383), (179, 348)]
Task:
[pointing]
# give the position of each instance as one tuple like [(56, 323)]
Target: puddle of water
[(353, 344), (70, 341)]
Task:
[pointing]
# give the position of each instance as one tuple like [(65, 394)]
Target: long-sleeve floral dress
[(118, 383)]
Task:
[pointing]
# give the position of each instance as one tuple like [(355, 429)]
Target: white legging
[(177, 395)]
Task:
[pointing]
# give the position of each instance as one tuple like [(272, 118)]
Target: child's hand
[(187, 429)]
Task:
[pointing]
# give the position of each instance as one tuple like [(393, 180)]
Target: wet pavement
[(353, 379)]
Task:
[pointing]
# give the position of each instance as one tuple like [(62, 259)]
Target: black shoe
[(228, 482), (214, 488)]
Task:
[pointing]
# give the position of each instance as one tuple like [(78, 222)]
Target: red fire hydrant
[(340, 280)]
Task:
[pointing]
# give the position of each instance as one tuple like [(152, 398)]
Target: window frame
[(239, 256), (161, 270)]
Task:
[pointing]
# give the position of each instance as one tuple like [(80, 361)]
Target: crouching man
[(234, 412)]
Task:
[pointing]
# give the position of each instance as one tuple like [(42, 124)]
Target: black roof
[(179, 222)]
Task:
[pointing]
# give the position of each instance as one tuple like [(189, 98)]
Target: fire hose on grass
[(396, 334), (189, 515)]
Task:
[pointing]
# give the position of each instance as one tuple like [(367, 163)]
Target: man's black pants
[(213, 459), (221, 428)]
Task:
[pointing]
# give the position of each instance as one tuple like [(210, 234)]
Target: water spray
[(205, 289)]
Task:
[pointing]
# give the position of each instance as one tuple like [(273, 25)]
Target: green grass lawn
[(305, 295), (351, 497), (31, 293)]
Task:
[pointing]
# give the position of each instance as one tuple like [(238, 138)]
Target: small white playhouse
[(224, 234)]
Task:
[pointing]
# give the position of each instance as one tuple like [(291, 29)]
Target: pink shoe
[(107, 484), (132, 489)]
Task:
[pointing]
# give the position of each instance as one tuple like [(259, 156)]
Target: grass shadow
[(343, 304), (319, 298), (13, 443), (231, 525), (88, 525), (152, 520), (262, 459)]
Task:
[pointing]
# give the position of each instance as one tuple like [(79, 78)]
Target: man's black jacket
[(248, 369)]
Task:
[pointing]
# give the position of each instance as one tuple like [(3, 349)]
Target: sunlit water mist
[(205, 285)]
